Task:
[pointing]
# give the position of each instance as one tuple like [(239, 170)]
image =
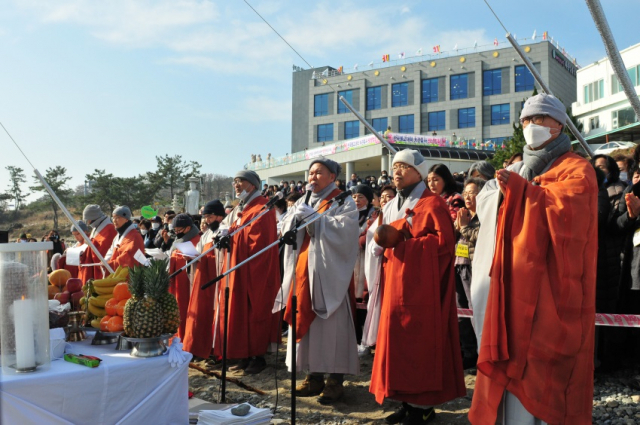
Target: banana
[(96, 323), (105, 283), (103, 290), (95, 310), (100, 300), (83, 301)]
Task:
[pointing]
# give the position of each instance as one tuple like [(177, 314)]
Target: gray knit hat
[(92, 212), (123, 211), (250, 176), (82, 225), (544, 104), (333, 166)]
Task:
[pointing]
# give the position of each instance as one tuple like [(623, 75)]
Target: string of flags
[(437, 50)]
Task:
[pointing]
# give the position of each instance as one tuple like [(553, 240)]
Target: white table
[(122, 390)]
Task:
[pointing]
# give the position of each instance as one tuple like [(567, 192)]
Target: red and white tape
[(602, 319)]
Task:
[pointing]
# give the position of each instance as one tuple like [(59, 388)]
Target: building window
[(351, 129), (405, 124), (492, 82), (459, 85), (379, 124), (500, 114), (321, 105), (594, 122), (325, 133), (374, 98), (430, 90), (348, 96), (623, 117), (594, 91), (436, 121), (634, 74), (399, 94), (466, 117), (524, 78)]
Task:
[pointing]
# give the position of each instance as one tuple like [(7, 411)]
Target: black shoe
[(241, 365), (419, 416), (397, 416), (256, 365)]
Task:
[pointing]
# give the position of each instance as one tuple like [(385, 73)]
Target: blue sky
[(109, 84)]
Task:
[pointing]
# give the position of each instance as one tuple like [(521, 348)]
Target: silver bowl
[(147, 347)]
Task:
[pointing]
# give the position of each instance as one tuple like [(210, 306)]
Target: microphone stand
[(289, 238), (223, 385)]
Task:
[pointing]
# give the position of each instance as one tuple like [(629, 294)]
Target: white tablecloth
[(122, 390)]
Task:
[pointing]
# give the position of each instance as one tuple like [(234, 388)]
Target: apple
[(74, 285), (75, 300), (63, 297)]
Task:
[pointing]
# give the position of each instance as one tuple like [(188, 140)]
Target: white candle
[(25, 342)]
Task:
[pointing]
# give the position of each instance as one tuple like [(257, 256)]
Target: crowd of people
[(534, 249)]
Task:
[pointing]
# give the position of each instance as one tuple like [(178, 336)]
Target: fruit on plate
[(115, 324), (52, 290), (63, 297), (74, 285), (59, 277), (103, 323), (110, 306)]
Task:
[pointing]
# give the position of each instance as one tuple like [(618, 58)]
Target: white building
[(602, 107)]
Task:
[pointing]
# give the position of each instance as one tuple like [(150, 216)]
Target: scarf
[(537, 162), (315, 197)]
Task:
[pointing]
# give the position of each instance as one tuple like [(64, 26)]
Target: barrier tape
[(602, 319)]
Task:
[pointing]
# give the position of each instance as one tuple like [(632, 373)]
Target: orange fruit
[(120, 307), (121, 291), (103, 323), (110, 306), (115, 324)]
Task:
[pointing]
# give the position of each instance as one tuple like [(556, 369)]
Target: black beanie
[(182, 220), (365, 190), (214, 207)]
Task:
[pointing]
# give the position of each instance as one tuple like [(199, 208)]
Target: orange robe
[(418, 357), (252, 288), (102, 241), (180, 285), (126, 248), (198, 334), (538, 334)]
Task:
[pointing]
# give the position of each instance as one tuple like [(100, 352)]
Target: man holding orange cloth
[(534, 299)]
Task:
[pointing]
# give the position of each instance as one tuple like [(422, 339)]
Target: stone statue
[(175, 204), (192, 197)]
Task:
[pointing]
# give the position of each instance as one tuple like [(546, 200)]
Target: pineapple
[(148, 318), (168, 303), (136, 287)]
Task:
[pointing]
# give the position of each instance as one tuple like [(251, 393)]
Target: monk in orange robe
[(254, 286), (180, 285), (127, 242), (536, 347), (417, 359), (199, 326), (102, 234)]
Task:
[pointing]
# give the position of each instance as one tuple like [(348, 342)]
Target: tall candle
[(25, 342)]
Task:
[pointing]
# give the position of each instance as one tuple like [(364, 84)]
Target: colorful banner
[(416, 139), (360, 142), (325, 150)]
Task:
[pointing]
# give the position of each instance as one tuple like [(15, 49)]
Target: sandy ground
[(357, 406)]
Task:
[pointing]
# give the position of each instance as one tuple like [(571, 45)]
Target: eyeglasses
[(402, 167), (536, 119), (237, 182), (469, 194)]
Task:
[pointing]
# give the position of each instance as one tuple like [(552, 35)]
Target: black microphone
[(344, 195), (309, 190), (273, 200)]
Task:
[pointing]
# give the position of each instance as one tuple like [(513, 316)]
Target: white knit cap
[(413, 158)]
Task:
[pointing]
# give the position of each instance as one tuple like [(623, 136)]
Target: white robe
[(330, 345), (373, 264)]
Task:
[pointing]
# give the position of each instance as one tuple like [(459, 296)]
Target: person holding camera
[(166, 235)]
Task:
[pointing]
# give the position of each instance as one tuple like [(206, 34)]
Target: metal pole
[(613, 53), (545, 88), (73, 221), (225, 339), (368, 126)]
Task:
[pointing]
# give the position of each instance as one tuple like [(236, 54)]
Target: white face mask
[(143, 231), (243, 195), (171, 227), (155, 226), (536, 135), (623, 175)]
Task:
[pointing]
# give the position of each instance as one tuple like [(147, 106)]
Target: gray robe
[(330, 345)]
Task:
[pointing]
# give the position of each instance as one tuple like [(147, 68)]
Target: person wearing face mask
[(534, 280), (253, 287), (127, 241), (180, 285), (200, 322), (384, 179), (102, 234), (615, 187), (145, 231), (154, 230), (166, 235)]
